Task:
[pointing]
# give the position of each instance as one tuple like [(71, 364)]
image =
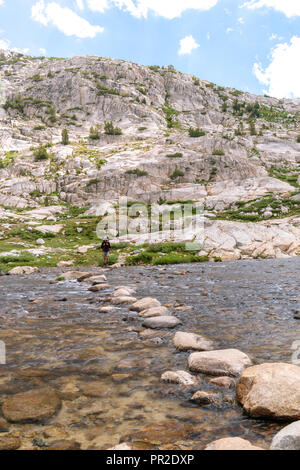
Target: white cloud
[(1, 2), (169, 9), (4, 44), (288, 7), (80, 4), (282, 76), (43, 50), (64, 19), (229, 30), (98, 5), (187, 45), (241, 20)]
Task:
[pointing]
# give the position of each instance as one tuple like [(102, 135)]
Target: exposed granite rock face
[(220, 169)]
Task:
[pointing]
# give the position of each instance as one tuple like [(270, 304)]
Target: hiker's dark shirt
[(105, 246)]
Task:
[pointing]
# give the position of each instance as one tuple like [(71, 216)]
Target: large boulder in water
[(232, 443), (271, 391), (226, 362), (288, 438)]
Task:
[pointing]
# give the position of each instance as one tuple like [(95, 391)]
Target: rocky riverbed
[(79, 375)]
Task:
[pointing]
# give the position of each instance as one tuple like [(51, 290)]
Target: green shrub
[(65, 137), (137, 172), (177, 173), (218, 152), (110, 129), (196, 132), (142, 258), (94, 133), (174, 155), (40, 153), (298, 139)]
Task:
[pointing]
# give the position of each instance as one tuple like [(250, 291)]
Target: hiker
[(105, 247)]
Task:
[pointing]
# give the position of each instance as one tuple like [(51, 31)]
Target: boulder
[(226, 362), (106, 309), (33, 406), (99, 287), (186, 341), (96, 279), (231, 443), (145, 304), (271, 391), (20, 270), (122, 293), (154, 312), (180, 377), (288, 438), (73, 275), (161, 322)]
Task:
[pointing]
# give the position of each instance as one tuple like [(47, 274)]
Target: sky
[(250, 45)]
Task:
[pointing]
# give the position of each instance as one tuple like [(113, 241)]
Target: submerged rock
[(224, 382), (204, 398), (231, 443), (186, 341), (99, 287), (161, 322), (226, 362), (288, 438), (161, 433), (271, 391), (180, 377), (73, 275), (33, 406), (9, 442)]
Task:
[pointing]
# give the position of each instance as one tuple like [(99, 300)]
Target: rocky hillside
[(154, 135)]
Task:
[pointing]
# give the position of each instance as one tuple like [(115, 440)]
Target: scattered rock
[(122, 293), (161, 322), (33, 406), (106, 309), (123, 446), (19, 270), (288, 438), (271, 391), (154, 312), (63, 444), (186, 341), (145, 304), (96, 279), (99, 287), (119, 378), (204, 398), (65, 264), (161, 433), (40, 241), (94, 389), (297, 315), (224, 382), (226, 362), (180, 377), (9, 442), (232, 443), (73, 275)]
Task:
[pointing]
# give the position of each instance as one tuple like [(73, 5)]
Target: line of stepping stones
[(265, 391)]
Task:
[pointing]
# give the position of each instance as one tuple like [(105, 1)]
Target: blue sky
[(252, 45)]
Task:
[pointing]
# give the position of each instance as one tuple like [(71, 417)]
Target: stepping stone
[(154, 312), (186, 341), (145, 304), (204, 398), (74, 275), (99, 287), (106, 309), (123, 300), (226, 362), (161, 322)]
